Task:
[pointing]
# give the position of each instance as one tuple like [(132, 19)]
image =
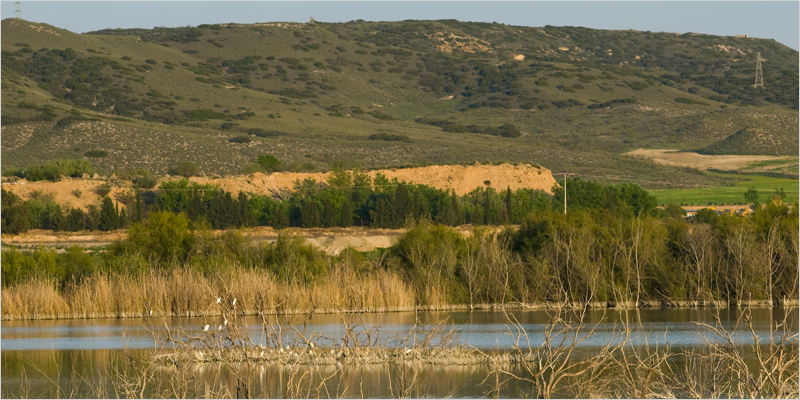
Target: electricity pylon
[(759, 72)]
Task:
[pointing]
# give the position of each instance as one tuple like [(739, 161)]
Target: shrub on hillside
[(206, 114), (269, 162), (52, 171), (240, 139), (389, 138), (96, 153), (186, 169)]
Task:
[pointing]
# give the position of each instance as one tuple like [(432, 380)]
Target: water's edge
[(625, 305)]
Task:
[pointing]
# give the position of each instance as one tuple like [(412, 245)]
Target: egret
[(234, 302), (219, 328), (226, 322), (408, 351), (219, 300), (311, 344), (151, 312), (281, 349), (205, 328)]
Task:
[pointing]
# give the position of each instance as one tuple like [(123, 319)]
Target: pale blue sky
[(772, 20)]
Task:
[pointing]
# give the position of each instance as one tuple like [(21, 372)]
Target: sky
[(779, 20)]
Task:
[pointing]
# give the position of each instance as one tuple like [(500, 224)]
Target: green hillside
[(387, 95), (761, 140)]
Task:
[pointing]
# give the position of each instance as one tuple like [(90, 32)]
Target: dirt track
[(331, 240), (462, 179)]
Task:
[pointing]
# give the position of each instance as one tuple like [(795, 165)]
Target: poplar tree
[(138, 216), (109, 217), (347, 213)]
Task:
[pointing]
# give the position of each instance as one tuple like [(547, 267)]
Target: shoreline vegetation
[(614, 248)]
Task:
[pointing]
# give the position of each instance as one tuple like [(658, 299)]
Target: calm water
[(35, 354)]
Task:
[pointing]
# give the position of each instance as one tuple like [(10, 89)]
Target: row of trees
[(348, 199), (44, 213), (591, 254)]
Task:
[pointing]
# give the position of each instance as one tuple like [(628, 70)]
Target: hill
[(384, 95), (748, 141)]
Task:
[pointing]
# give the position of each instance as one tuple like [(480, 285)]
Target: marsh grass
[(182, 291)]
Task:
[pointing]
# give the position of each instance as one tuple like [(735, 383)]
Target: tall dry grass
[(183, 291)]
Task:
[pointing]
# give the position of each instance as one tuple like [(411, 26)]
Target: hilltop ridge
[(387, 95)]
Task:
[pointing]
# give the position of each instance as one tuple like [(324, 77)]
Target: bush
[(294, 261), (637, 86), (145, 182), (389, 138), (381, 116), (186, 169), (15, 214), (269, 162), (685, 100), (203, 114), (240, 139), (164, 235), (96, 153), (53, 170)]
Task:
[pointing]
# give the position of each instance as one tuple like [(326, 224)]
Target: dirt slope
[(462, 179), (702, 161)]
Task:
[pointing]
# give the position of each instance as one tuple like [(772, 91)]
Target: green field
[(734, 194)]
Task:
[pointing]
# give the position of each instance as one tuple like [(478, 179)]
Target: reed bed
[(184, 292)]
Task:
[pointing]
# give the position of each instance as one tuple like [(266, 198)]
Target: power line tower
[(759, 72), (19, 10)]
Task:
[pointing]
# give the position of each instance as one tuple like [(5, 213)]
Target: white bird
[(219, 300), (151, 312), (281, 349), (311, 344), (234, 302), (205, 328), (332, 352), (408, 351), (226, 322), (288, 346), (219, 328)]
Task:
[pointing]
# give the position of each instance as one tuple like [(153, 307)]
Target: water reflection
[(480, 329), (81, 355)]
